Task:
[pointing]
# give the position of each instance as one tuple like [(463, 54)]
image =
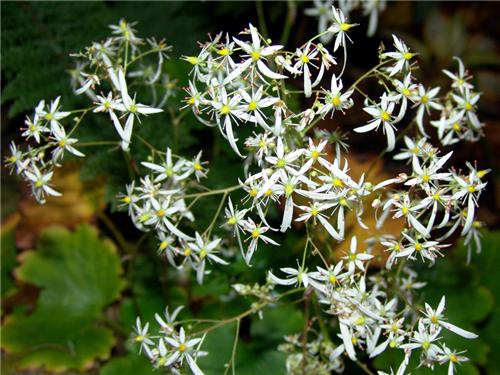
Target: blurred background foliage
[(75, 273)]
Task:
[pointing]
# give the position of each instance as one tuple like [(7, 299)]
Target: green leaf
[(79, 275), (131, 364)]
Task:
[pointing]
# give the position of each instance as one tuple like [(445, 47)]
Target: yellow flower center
[(336, 101), (182, 348), (304, 59), (191, 100), (268, 192), (163, 245), (436, 196), (471, 189), (193, 60), (424, 99), (345, 26), (360, 321), (232, 221), (255, 55), (160, 212), (468, 106), (255, 233), (252, 106), (133, 108), (384, 116), (408, 55), (343, 202), (337, 182), (315, 154), (252, 192), (434, 319), (332, 279), (126, 199), (281, 163), (397, 247), (187, 251), (314, 211), (406, 92), (139, 338), (49, 116), (426, 345), (223, 51), (418, 247), (62, 143), (425, 178), (404, 210), (197, 166), (38, 183), (456, 126), (453, 358), (203, 253), (32, 128), (288, 189), (224, 109)]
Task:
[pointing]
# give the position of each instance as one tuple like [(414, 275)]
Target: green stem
[(262, 20)]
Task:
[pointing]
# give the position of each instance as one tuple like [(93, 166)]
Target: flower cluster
[(369, 319), (158, 203), (50, 137), (101, 73), (171, 348), (293, 171)]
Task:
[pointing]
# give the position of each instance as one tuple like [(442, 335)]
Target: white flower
[(334, 99), (168, 170), (34, 128), (53, 115), (228, 110), (414, 148), (205, 250), (459, 79), (452, 357), (16, 159), (355, 259), (468, 190), (134, 109), (107, 103), (436, 318), (426, 99), (297, 276), (183, 350), (402, 56), (340, 28), (63, 143), (256, 234), (429, 175), (382, 114), (467, 102), (305, 58), (314, 211), (40, 183), (142, 334), (256, 56)]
